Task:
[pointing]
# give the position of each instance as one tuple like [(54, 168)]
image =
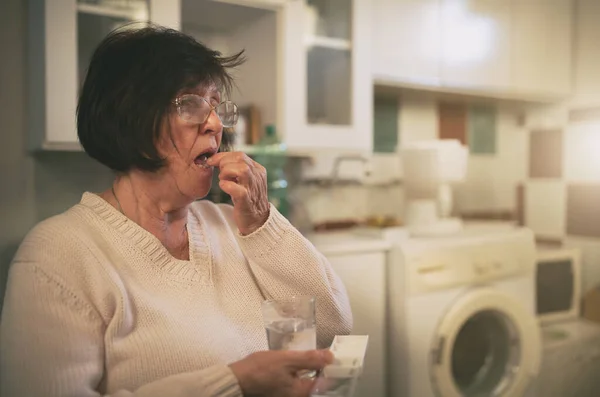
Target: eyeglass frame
[(177, 103)]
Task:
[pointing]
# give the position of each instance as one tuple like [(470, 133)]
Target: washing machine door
[(486, 345)]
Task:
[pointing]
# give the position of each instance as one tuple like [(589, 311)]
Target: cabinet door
[(586, 58), (52, 67), (62, 37), (326, 74), (541, 47), (529, 46), (407, 39), (559, 25), (363, 275), (476, 44)]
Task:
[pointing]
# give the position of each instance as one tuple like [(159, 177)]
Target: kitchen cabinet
[(308, 68), (541, 47), (363, 275), (361, 262), (325, 82), (62, 36), (513, 49), (407, 41), (476, 44)]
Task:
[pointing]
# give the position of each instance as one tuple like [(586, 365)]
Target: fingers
[(235, 190), (219, 159), (236, 167), (239, 172), (312, 359)]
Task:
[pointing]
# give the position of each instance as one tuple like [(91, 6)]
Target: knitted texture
[(96, 305)]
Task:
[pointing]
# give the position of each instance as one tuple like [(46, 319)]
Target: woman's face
[(186, 145)]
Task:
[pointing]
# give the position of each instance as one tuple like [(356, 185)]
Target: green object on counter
[(271, 153)]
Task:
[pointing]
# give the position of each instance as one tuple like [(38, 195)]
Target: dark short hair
[(133, 77)]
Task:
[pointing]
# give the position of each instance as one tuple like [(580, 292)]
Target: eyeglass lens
[(195, 109)]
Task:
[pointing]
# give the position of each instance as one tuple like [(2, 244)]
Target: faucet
[(348, 157)]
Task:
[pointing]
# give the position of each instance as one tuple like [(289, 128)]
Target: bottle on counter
[(271, 154)]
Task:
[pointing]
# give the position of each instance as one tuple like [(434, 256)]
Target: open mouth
[(201, 160)]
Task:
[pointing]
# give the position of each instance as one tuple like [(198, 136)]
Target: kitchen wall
[(562, 205), (490, 186), (32, 187), (16, 169)]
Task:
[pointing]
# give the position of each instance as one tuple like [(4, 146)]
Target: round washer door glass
[(487, 345), (485, 354)]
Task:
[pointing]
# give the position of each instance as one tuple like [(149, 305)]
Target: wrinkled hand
[(275, 373), (246, 182)]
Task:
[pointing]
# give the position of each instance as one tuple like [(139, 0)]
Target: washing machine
[(462, 315)]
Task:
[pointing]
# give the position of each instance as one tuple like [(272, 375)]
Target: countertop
[(348, 242)]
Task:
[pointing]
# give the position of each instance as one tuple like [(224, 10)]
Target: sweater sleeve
[(285, 264), (52, 345)]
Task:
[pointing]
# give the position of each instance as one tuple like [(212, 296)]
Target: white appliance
[(558, 283), (429, 169), (462, 315), (571, 360), (361, 262)]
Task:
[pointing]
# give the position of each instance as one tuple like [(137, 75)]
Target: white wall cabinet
[(308, 66), (476, 38), (407, 41), (308, 69), (62, 37), (325, 70), (517, 49), (542, 47)]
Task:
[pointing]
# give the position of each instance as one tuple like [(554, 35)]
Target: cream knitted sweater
[(95, 305)]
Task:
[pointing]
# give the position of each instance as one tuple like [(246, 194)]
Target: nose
[(213, 124)]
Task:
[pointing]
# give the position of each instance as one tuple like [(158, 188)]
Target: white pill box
[(340, 377), (349, 356)]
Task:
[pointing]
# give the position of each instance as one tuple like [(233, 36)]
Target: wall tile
[(583, 210), (385, 124), (582, 152), (545, 203), (453, 121), (520, 209), (584, 114), (546, 154), (482, 129)]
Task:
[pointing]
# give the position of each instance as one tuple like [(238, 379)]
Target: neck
[(151, 207)]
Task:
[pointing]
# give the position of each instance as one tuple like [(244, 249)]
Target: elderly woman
[(142, 290)]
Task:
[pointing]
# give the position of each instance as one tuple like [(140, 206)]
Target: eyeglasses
[(196, 109)]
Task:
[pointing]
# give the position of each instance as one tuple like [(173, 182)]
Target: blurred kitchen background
[(342, 86)]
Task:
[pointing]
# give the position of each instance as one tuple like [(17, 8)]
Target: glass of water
[(290, 323)]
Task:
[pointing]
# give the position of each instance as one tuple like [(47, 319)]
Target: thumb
[(310, 359)]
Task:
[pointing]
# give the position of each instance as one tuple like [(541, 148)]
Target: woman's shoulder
[(61, 227), (58, 238), (68, 249), (56, 256)]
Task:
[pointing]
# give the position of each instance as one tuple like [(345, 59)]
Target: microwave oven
[(558, 284)]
